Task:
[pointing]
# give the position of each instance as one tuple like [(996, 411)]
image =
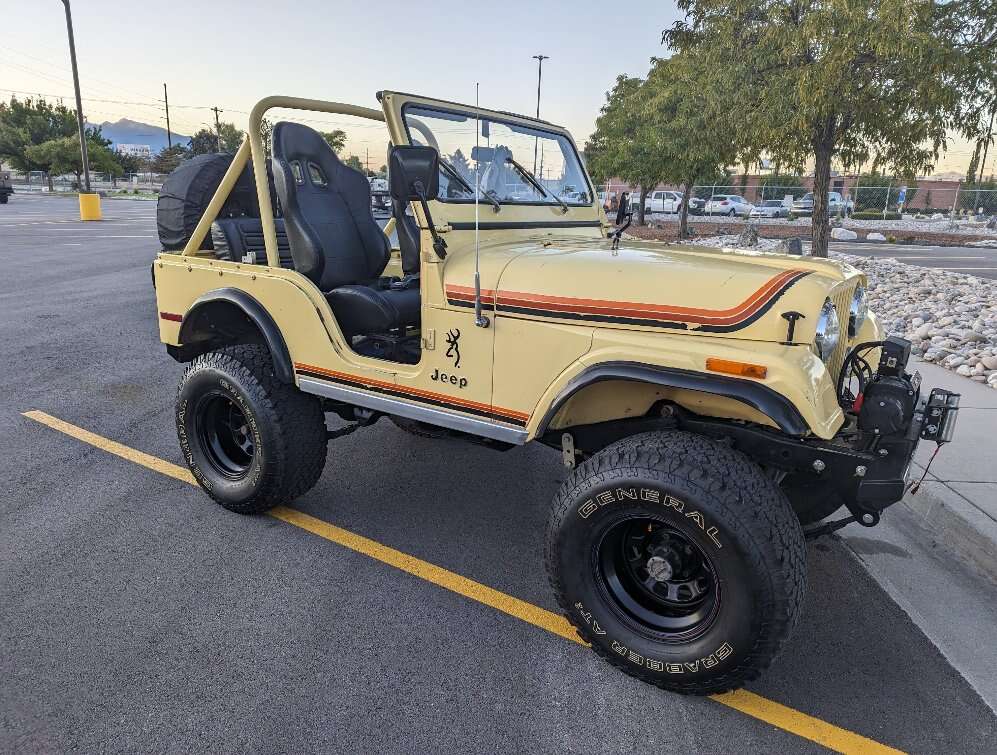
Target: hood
[(650, 285)]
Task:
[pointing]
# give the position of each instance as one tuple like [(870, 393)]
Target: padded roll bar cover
[(334, 238), (767, 401), (195, 317)]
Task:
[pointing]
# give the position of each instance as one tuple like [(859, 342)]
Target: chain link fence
[(887, 201), (38, 181)]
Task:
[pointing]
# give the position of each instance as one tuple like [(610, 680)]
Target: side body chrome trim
[(439, 417)]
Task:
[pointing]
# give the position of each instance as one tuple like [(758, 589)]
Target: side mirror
[(414, 173), (414, 176)]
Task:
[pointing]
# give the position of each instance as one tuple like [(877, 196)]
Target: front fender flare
[(770, 403), (195, 327)]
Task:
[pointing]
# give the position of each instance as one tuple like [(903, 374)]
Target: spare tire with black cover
[(678, 560), (187, 191)]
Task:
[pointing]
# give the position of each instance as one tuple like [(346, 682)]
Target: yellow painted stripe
[(527, 612), (113, 447), (778, 715)]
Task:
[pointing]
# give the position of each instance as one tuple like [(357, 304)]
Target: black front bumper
[(868, 474)]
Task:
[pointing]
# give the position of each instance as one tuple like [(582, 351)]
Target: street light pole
[(540, 71), (79, 102)]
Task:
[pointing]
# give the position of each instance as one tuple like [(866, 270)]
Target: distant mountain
[(133, 132)]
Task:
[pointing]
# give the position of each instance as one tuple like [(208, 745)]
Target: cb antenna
[(480, 319)]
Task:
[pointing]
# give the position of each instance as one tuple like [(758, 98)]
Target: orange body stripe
[(634, 309)]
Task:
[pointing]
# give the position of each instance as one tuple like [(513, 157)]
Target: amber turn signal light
[(744, 369)]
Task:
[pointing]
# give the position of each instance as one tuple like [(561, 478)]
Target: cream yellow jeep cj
[(707, 403)]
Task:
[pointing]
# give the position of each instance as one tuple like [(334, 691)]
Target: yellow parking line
[(773, 713)]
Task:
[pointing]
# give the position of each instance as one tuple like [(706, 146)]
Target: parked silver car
[(728, 204), (836, 204), (770, 208)]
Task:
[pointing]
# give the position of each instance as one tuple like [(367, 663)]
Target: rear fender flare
[(228, 316)]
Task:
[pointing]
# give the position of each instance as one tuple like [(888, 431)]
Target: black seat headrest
[(334, 238)]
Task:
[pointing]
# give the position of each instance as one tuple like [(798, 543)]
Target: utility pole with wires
[(79, 101), (218, 127), (169, 134)]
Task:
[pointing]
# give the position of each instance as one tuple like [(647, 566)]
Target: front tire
[(678, 560), (250, 440)]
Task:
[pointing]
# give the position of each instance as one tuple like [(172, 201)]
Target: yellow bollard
[(89, 206)]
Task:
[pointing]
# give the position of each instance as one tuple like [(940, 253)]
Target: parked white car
[(728, 204), (770, 208), (664, 201)]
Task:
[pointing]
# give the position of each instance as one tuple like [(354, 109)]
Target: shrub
[(873, 215)]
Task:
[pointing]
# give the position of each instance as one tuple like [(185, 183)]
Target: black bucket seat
[(334, 238)]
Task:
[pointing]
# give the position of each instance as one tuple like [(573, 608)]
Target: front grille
[(842, 300)]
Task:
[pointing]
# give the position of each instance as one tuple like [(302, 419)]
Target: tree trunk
[(821, 226), (643, 200), (684, 214)]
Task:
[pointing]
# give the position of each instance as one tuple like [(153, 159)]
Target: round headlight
[(858, 311), (828, 330)]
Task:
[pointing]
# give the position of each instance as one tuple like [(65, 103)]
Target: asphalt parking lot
[(978, 261), (136, 615)]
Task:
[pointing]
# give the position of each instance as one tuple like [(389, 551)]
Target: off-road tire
[(729, 509), (287, 429)]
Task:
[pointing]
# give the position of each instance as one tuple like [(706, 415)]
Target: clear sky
[(230, 54)]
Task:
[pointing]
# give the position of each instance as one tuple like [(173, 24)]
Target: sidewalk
[(957, 503), (935, 553)]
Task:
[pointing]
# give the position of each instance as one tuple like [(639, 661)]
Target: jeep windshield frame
[(418, 118)]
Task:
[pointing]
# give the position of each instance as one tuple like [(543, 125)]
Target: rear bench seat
[(234, 238)]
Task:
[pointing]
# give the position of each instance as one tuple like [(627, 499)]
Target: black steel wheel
[(225, 435), (657, 578), (678, 560)]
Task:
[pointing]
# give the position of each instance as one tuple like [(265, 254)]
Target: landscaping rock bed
[(949, 318), (940, 233)]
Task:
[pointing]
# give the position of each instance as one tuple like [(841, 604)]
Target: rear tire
[(678, 560), (3, 199), (250, 441)]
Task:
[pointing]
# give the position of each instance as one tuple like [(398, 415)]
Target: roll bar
[(252, 146)]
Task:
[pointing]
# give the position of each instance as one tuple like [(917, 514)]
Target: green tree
[(63, 155), (839, 80), (335, 139), (691, 128), (203, 142), (354, 162), (974, 162), (625, 142), (266, 136), (231, 137), (29, 122), (169, 158)]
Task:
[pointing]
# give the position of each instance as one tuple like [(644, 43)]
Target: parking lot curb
[(955, 524)]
